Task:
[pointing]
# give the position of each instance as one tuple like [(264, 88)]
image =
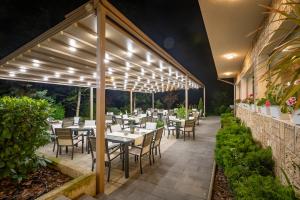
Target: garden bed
[(38, 183), (221, 189)]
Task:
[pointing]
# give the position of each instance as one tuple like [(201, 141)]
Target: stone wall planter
[(275, 112), (83, 182), (295, 117)]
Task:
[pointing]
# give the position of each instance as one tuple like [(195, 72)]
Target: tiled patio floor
[(183, 172)]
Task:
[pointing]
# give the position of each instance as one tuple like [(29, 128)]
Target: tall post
[(152, 100), (186, 97), (204, 104), (91, 104), (234, 98), (100, 99), (131, 102)]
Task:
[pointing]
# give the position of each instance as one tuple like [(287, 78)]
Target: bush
[(160, 123), (262, 187), (23, 129), (246, 165), (181, 112), (57, 112), (115, 110)]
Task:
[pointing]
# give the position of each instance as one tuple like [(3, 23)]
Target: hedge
[(23, 129), (247, 166)]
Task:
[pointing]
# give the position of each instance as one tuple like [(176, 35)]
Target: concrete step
[(62, 197), (86, 197)]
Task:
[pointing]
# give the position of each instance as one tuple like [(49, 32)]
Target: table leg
[(177, 130), (126, 160)]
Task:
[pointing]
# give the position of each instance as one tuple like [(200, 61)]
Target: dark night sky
[(175, 25)]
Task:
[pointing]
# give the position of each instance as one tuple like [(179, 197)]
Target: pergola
[(98, 47)]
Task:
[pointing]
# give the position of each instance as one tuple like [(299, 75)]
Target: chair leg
[(54, 143), (108, 173), (150, 162), (153, 156), (141, 166), (168, 133), (66, 149), (57, 149), (159, 151), (82, 146), (183, 135), (72, 152), (93, 164)]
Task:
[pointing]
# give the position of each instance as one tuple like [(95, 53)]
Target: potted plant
[(238, 102), (261, 105), (250, 100), (294, 114)]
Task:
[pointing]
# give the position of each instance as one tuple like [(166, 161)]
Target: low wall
[(284, 139), (83, 182)]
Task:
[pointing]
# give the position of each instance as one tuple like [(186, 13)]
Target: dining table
[(123, 137), (126, 138)]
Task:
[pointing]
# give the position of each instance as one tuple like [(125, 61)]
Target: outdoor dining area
[(136, 137), (96, 46)]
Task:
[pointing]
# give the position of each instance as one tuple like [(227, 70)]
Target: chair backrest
[(158, 136), (92, 146), (76, 120), (120, 121), (89, 123), (189, 125), (165, 112), (109, 113), (154, 114), (108, 117), (55, 126), (148, 112), (151, 125), (64, 136), (125, 116), (115, 128), (149, 119), (146, 145)]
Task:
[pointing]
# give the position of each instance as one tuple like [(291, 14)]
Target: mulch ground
[(221, 189), (37, 183)]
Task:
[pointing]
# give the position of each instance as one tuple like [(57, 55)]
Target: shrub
[(57, 112), (23, 129), (181, 112), (262, 187), (160, 123), (246, 164), (115, 110)]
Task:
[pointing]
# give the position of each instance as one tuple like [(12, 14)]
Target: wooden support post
[(152, 100), (204, 104), (186, 97), (100, 99), (131, 102), (91, 103)]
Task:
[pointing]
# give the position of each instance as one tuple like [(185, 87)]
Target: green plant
[(283, 63), (200, 104), (246, 165), (158, 104), (261, 102), (181, 112), (115, 110), (23, 129), (262, 187), (160, 123), (57, 112)]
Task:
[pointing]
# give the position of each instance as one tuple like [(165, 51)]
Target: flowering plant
[(290, 103), (268, 103)]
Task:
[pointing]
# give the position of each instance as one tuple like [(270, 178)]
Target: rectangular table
[(126, 138)]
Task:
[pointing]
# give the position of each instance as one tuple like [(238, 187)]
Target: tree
[(158, 104), (201, 104), (170, 98)]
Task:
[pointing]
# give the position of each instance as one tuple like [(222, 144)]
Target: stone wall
[(284, 139)]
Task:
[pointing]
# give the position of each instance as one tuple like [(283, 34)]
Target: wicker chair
[(111, 153), (156, 142), (189, 127), (144, 149), (65, 138), (170, 126), (122, 123)]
